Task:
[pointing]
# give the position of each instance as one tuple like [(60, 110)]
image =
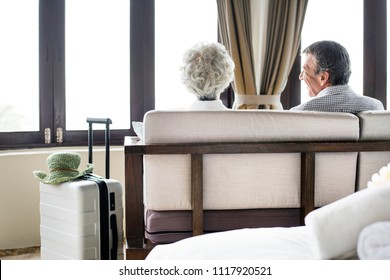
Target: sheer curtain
[(263, 38)]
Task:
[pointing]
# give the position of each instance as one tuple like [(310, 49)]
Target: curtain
[(263, 38)]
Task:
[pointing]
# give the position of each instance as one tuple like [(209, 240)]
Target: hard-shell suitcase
[(83, 218)]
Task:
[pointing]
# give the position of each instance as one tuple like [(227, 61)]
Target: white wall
[(19, 189)]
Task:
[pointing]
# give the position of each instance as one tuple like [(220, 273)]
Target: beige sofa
[(205, 171)]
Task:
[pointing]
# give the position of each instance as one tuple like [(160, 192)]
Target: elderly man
[(326, 71)]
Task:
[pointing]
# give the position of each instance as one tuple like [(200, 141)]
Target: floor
[(32, 253)]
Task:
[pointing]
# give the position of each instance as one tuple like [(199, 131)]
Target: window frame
[(375, 50), (142, 58)]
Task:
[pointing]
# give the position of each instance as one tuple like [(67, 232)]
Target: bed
[(354, 227)]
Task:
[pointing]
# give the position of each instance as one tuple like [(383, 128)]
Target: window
[(49, 88), (19, 79), (170, 92), (344, 25), (97, 36)]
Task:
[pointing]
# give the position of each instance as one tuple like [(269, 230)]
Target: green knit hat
[(63, 167)]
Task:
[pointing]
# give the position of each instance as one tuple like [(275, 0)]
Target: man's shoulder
[(315, 104), (372, 103)]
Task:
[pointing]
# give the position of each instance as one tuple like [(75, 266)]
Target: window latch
[(47, 136), (60, 135)]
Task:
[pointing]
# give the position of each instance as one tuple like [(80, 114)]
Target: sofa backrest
[(247, 126), (246, 181), (374, 125)]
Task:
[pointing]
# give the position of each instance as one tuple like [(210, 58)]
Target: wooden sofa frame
[(137, 247)]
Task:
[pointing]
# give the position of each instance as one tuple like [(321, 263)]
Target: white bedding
[(374, 242), (260, 243), (330, 232)]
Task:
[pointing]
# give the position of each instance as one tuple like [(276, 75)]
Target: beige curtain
[(263, 38)]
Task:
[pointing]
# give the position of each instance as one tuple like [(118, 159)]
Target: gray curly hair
[(207, 70)]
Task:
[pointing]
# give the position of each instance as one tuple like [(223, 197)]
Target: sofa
[(196, 172)]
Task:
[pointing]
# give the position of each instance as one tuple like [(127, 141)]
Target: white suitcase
[(83, 219), (76, 225)]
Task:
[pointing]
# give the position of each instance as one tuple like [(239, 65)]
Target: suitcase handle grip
[(114, 228), (107, 122), (99, 120)]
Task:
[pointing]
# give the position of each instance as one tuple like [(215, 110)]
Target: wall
[(19, 189)]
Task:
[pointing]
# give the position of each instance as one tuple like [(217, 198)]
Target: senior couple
[(208, 69)]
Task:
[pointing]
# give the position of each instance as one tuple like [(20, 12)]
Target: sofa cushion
[(374, 125), (231, 181), (335, 177), (247, 126), (369, 163)]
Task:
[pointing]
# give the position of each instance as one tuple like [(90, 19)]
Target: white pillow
[(334, 228)]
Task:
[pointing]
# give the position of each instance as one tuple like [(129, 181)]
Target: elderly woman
[(207, 70)]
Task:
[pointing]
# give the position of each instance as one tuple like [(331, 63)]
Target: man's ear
[(324, 78)]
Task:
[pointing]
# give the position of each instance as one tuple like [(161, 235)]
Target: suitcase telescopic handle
[(107, 122)]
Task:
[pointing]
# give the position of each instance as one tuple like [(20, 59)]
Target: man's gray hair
[(207, 70), (331, 57)]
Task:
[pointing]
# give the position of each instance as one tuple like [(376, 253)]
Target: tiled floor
[(32, 253)]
